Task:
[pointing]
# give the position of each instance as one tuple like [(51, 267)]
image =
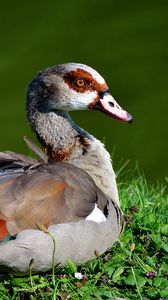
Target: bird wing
[(46, 194)]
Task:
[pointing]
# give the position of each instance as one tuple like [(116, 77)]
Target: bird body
[(72, 188)]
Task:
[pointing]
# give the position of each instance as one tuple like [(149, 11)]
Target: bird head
[(73, 86)]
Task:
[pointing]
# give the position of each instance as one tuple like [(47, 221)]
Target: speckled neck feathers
[(59, 135)]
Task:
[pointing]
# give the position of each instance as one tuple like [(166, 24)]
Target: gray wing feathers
[(76, 241), (17, 158), (43, 157), (10, 159), (51, 194)]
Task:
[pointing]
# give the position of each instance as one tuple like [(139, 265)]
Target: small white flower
[(78, 275)]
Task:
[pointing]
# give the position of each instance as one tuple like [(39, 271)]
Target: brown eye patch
[(82, 81)]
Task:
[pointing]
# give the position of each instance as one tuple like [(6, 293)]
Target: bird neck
[(65, 141), (59, 135)]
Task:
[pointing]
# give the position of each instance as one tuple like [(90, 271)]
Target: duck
[(70, 187)]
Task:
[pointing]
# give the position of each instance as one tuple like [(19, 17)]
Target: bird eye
[(80, 82)]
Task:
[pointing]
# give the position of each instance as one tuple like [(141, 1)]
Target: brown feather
[(46, 194)]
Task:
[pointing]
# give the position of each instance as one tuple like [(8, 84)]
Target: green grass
[(135, 268)]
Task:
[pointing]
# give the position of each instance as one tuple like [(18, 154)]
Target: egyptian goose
[(71, 188)]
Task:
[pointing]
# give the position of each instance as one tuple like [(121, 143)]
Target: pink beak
[(110, 107)]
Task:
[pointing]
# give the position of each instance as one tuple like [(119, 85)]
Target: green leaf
[(164, 267), (117, 274), (164, 229), (140, 281), (157, 282), (156, 238), (164, 246), (164, 293), (71, 266), (152, 292), (130, 280)]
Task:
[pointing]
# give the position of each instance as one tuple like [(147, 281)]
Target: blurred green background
[(126, 41)]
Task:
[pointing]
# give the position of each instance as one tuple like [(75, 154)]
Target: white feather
[(96, 215)]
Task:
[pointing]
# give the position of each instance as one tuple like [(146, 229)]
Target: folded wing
[(32, 193)]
